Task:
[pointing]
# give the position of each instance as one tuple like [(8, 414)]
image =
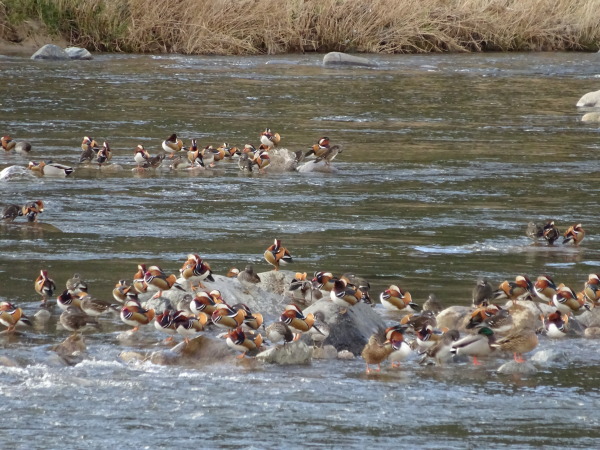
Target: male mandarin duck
[(400, 349), (324, 281), (319, 149), (500, 320), (67, 299), (45, 286), (141, 156), (269, 139), (196, 270), (376, 351), (122, 287), (172, 145), (11, 212), (73, 319), (556, 324), (395, 299), (9, 307), (591, 289), (517, 343), (428, 336), (308, 292), (566, 301), (139, 284), (475, 345), (203, 302), (10, 315), (157, 280), (441, 352), (261, 160), (251, 320), (225, 316), (9, 144), (31, 210), (189, 326), (480, 314), (419, 320), (574, 235), (520, 289), (276, 255), (345, 295), (296, 320), (544, 288), (279, 332), (230, 151), (550, 232), (88, 148), (194, 156), (134, 315), (243, 342), (482, 292), (104, 154), (50, 169), (164, 323), (233, 272)]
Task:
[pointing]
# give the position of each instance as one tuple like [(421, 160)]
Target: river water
[(445, 159)]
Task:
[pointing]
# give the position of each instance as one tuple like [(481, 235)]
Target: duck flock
[(175, 156), (437, 334)]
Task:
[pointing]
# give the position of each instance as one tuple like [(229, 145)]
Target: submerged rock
[(72, 350), (350, 329), (514, 368), (51, 52), (344, 59), (293, 353)]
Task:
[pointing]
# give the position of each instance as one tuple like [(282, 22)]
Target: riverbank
[(250, 27)]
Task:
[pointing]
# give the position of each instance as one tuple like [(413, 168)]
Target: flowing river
[(445, 160)]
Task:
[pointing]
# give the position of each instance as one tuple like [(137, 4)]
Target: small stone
[(345, 354), (131, 356), (327, 352)]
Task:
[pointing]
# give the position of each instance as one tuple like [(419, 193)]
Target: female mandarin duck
[(225, 316), (240, 341), (566, 301), (104, 154), (296, 320), (556, 324), (279, 332), (517, 343), (11, 212), (45, 286), (395, 299), (376, 351), (196, 270), (475, 345), (441, 352), (574, 235), (50, 169), (203, 303), (88, 148), (520, 289), (95, 306), (320, 330), (134, 315), (482, 292), (400, 349), (75, 285), (276, 255), (73, 319), (544, 288), (269, 139), (172, 145)]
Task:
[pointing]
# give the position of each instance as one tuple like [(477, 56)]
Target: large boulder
[(51, 52), (78, 53), (344, 59), (349, 329), (293, 353), (590, 99)]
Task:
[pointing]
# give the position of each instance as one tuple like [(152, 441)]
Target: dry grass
[(236, 27)]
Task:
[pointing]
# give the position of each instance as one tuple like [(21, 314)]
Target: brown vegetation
[(245, 27)]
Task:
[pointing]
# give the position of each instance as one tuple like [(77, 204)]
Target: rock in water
[(344, 59), (290, 354), (72, 350), (513, 368), (78, 53), (51, 52)]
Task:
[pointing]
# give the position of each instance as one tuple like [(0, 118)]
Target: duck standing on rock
[(279, 332), (376, 351), (297, 321), (269, 139), (89, 147), (395, 299), (276, 254), (172, 145), (482, 292), (45, 286), (518, 342)]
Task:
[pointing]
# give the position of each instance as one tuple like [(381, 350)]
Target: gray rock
[(350, 330), (454, 317), (590, 99), (162, 303), (293, 353), (549, 355), (513, 368), (78, 53), (327, 352), (72, 350), (132, 356), (589, 318), (591, 117), (592, 332), (344, 59), (345, 354), (51, 52)]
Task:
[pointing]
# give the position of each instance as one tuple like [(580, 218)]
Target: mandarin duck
[(141, 156), (279, 332), (243, 342), (276, 254), (566, 301), (88, 148), (120, 290), (10, 316), (433, 304), (318, 149), (475, 345), (104, 154), (269, 139), (194, 156), (45, 286), (203, 302), (233, 272), (195, 269), (520, 289), (591, 289), (376, 351), (134, 315), (261, 160), (395, 299), (251, 320), (482, 292), (9, 144), (50, 169), (164, 323), (419, 320), (139, 284), (574, 235), (480, 314), (324, 281), (172, 145), (320, 330), (299, 323), (67, 299), (245, 162), (189, 326), (441, 352), (224, 316), (544, 288), (556, 324), (517, 343), (344, 295), (73, 319), (95, 306), (400, 349), (157, 280), (11, 212), (428, 336), (308, 293), (31, 210)]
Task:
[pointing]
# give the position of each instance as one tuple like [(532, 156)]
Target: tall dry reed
[(235, 27)]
